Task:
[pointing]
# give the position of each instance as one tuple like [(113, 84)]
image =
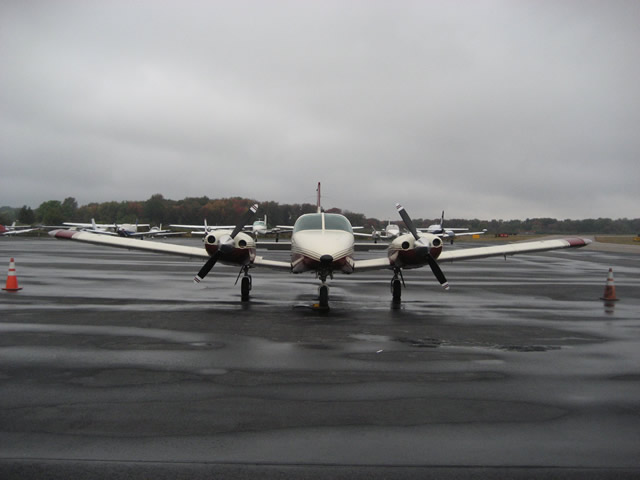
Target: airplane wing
[(156, 247), (209, 227), (18, 232), (462, 234), (366, 246), (372, 264), (483, 252), (511, 249), (151, 233), (163, 233), (275, 264), (89, 225), (273, 245), (131, 243)]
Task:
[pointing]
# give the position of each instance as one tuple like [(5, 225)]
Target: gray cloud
[(490, 109)]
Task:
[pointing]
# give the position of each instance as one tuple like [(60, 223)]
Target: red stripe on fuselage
[(68, 234), (302, 263)]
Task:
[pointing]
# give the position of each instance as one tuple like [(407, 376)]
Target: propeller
[(421, 247), (226, 244)]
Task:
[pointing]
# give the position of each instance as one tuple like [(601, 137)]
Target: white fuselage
[(391, 231), (259, 227), (322, 242)]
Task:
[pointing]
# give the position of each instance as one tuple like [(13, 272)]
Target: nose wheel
[(323, 296)]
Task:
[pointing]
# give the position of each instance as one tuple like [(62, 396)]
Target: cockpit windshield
[(314, 221), (334, 221)]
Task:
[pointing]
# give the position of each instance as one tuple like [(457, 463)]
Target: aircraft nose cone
[(226, 244), (326, 259)]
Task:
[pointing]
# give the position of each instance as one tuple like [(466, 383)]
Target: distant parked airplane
[(11, 230), (449, 233)]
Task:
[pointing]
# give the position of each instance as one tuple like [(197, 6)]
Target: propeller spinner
[(226, 244), (422, 247)]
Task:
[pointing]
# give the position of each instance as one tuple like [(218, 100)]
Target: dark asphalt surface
[(113, 364)]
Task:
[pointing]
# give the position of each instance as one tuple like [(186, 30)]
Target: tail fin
[(3, 229), (319, 205)]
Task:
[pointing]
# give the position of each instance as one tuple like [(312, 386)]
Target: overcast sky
[(486, 109)]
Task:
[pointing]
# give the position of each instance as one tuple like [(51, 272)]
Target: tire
[(396, 290), (324, 296), (245, 288)]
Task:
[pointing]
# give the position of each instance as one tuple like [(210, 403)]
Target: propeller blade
[(245, 220), (435, 268), (407, 221), (206, 268)]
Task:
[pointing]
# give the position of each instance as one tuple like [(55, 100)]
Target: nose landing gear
[(323, 296)]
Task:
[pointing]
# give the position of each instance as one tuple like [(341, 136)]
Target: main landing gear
[(397, 282), (245, 284)]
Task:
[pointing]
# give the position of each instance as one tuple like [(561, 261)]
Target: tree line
[(158, 210)]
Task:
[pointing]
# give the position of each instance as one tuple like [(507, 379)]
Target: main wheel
[(396, 289), (245, 288), (324, 296)]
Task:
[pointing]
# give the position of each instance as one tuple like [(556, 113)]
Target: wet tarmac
[(113, 364)]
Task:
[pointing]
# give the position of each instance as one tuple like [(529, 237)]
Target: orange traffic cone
[(609, 289), (12, 280)]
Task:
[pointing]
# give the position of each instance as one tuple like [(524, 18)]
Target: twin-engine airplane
[(259, 227), (122, 230), (113, 229), (449, 233), (389, 232), (323, 243)]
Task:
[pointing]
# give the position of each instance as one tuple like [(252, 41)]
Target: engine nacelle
[(239, 250), (406, 252)]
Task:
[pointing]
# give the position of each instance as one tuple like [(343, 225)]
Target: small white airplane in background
[(11, 230), (122, 230), (152, 232), (323, 244), (112, 229), (449, 233), (204, 229), (259, 227), (389, 232)]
